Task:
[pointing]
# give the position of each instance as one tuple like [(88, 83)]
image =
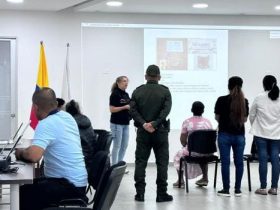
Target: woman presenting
[(119, 107)]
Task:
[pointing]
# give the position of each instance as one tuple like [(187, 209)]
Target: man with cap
[(150, 105)]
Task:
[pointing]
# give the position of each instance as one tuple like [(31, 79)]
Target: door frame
[(14, 83)]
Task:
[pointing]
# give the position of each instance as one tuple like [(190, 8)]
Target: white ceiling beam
[(86, 4)]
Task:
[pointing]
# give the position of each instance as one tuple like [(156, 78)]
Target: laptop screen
[(12, 139), (17, 141)]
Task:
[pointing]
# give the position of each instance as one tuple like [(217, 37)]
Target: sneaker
[(201, 182), (261, 191), (223, 192), (139, 197), (164, 198), (176, 184), (237, 193), (272, 191)]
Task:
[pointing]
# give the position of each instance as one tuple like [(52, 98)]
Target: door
[(8, 87)]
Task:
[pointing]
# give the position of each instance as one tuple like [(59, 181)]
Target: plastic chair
[(202, 142), (106, 193)]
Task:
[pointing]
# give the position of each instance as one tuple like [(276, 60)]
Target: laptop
[(11, 140), (16, 142), (5, 161)]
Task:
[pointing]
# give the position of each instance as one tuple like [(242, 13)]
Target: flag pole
[(66, 88)]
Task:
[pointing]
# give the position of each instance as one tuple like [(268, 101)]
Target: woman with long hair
[(265, 120), (119, 107), (231, 112)]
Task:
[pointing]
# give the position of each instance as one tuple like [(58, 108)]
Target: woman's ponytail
[(237, 107), (237, 103), (270, 84)]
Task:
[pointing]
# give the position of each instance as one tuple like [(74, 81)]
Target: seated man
[(57, 138)]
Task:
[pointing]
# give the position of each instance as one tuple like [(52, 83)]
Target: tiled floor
[(204, 198), (198, 198)]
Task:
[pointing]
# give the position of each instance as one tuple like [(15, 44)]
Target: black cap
[(153, 71)]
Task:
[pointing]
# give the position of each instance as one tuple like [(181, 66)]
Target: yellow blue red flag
[(42, 81)]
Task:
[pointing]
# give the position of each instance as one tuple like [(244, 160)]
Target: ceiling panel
[(246, 7)]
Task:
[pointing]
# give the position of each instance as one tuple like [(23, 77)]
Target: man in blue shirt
[(57, 139)]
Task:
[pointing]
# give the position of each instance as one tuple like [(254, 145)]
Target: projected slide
[(194, 65)]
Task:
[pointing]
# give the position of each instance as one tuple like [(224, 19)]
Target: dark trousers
[(158, 141), (46, 192)]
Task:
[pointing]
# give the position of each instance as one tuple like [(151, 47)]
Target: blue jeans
[(237, 142), (120, 135), (268, 148)]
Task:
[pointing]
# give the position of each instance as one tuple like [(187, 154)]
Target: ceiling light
[(15, 1), (200, 6), (114, 3), (277, 7)]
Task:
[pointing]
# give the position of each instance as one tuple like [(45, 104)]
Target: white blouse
[(264, 117)]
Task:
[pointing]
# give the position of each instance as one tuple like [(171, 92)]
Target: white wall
[(56, 29)]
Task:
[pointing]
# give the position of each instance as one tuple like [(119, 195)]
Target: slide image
[(203, 53), (172, 53)]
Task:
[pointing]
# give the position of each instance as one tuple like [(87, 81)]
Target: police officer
[(149, 107)]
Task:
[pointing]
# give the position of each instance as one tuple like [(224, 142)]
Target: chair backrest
[(202, 141), (89, 143), (99, 165), (106, 193), (254, 151), (104, 140)]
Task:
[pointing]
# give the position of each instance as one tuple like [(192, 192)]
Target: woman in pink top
[(197, 122)]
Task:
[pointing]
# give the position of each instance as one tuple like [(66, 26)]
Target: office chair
[(106, 193), (104, 140), (202, 142), (99, 166)]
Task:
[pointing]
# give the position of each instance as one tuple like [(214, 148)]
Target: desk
[(24, 175)]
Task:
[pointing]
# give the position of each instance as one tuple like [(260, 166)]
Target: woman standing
[(265, 120), (119, 107), (231, 112)]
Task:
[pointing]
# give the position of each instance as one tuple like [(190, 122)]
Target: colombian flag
[(42, 81)]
